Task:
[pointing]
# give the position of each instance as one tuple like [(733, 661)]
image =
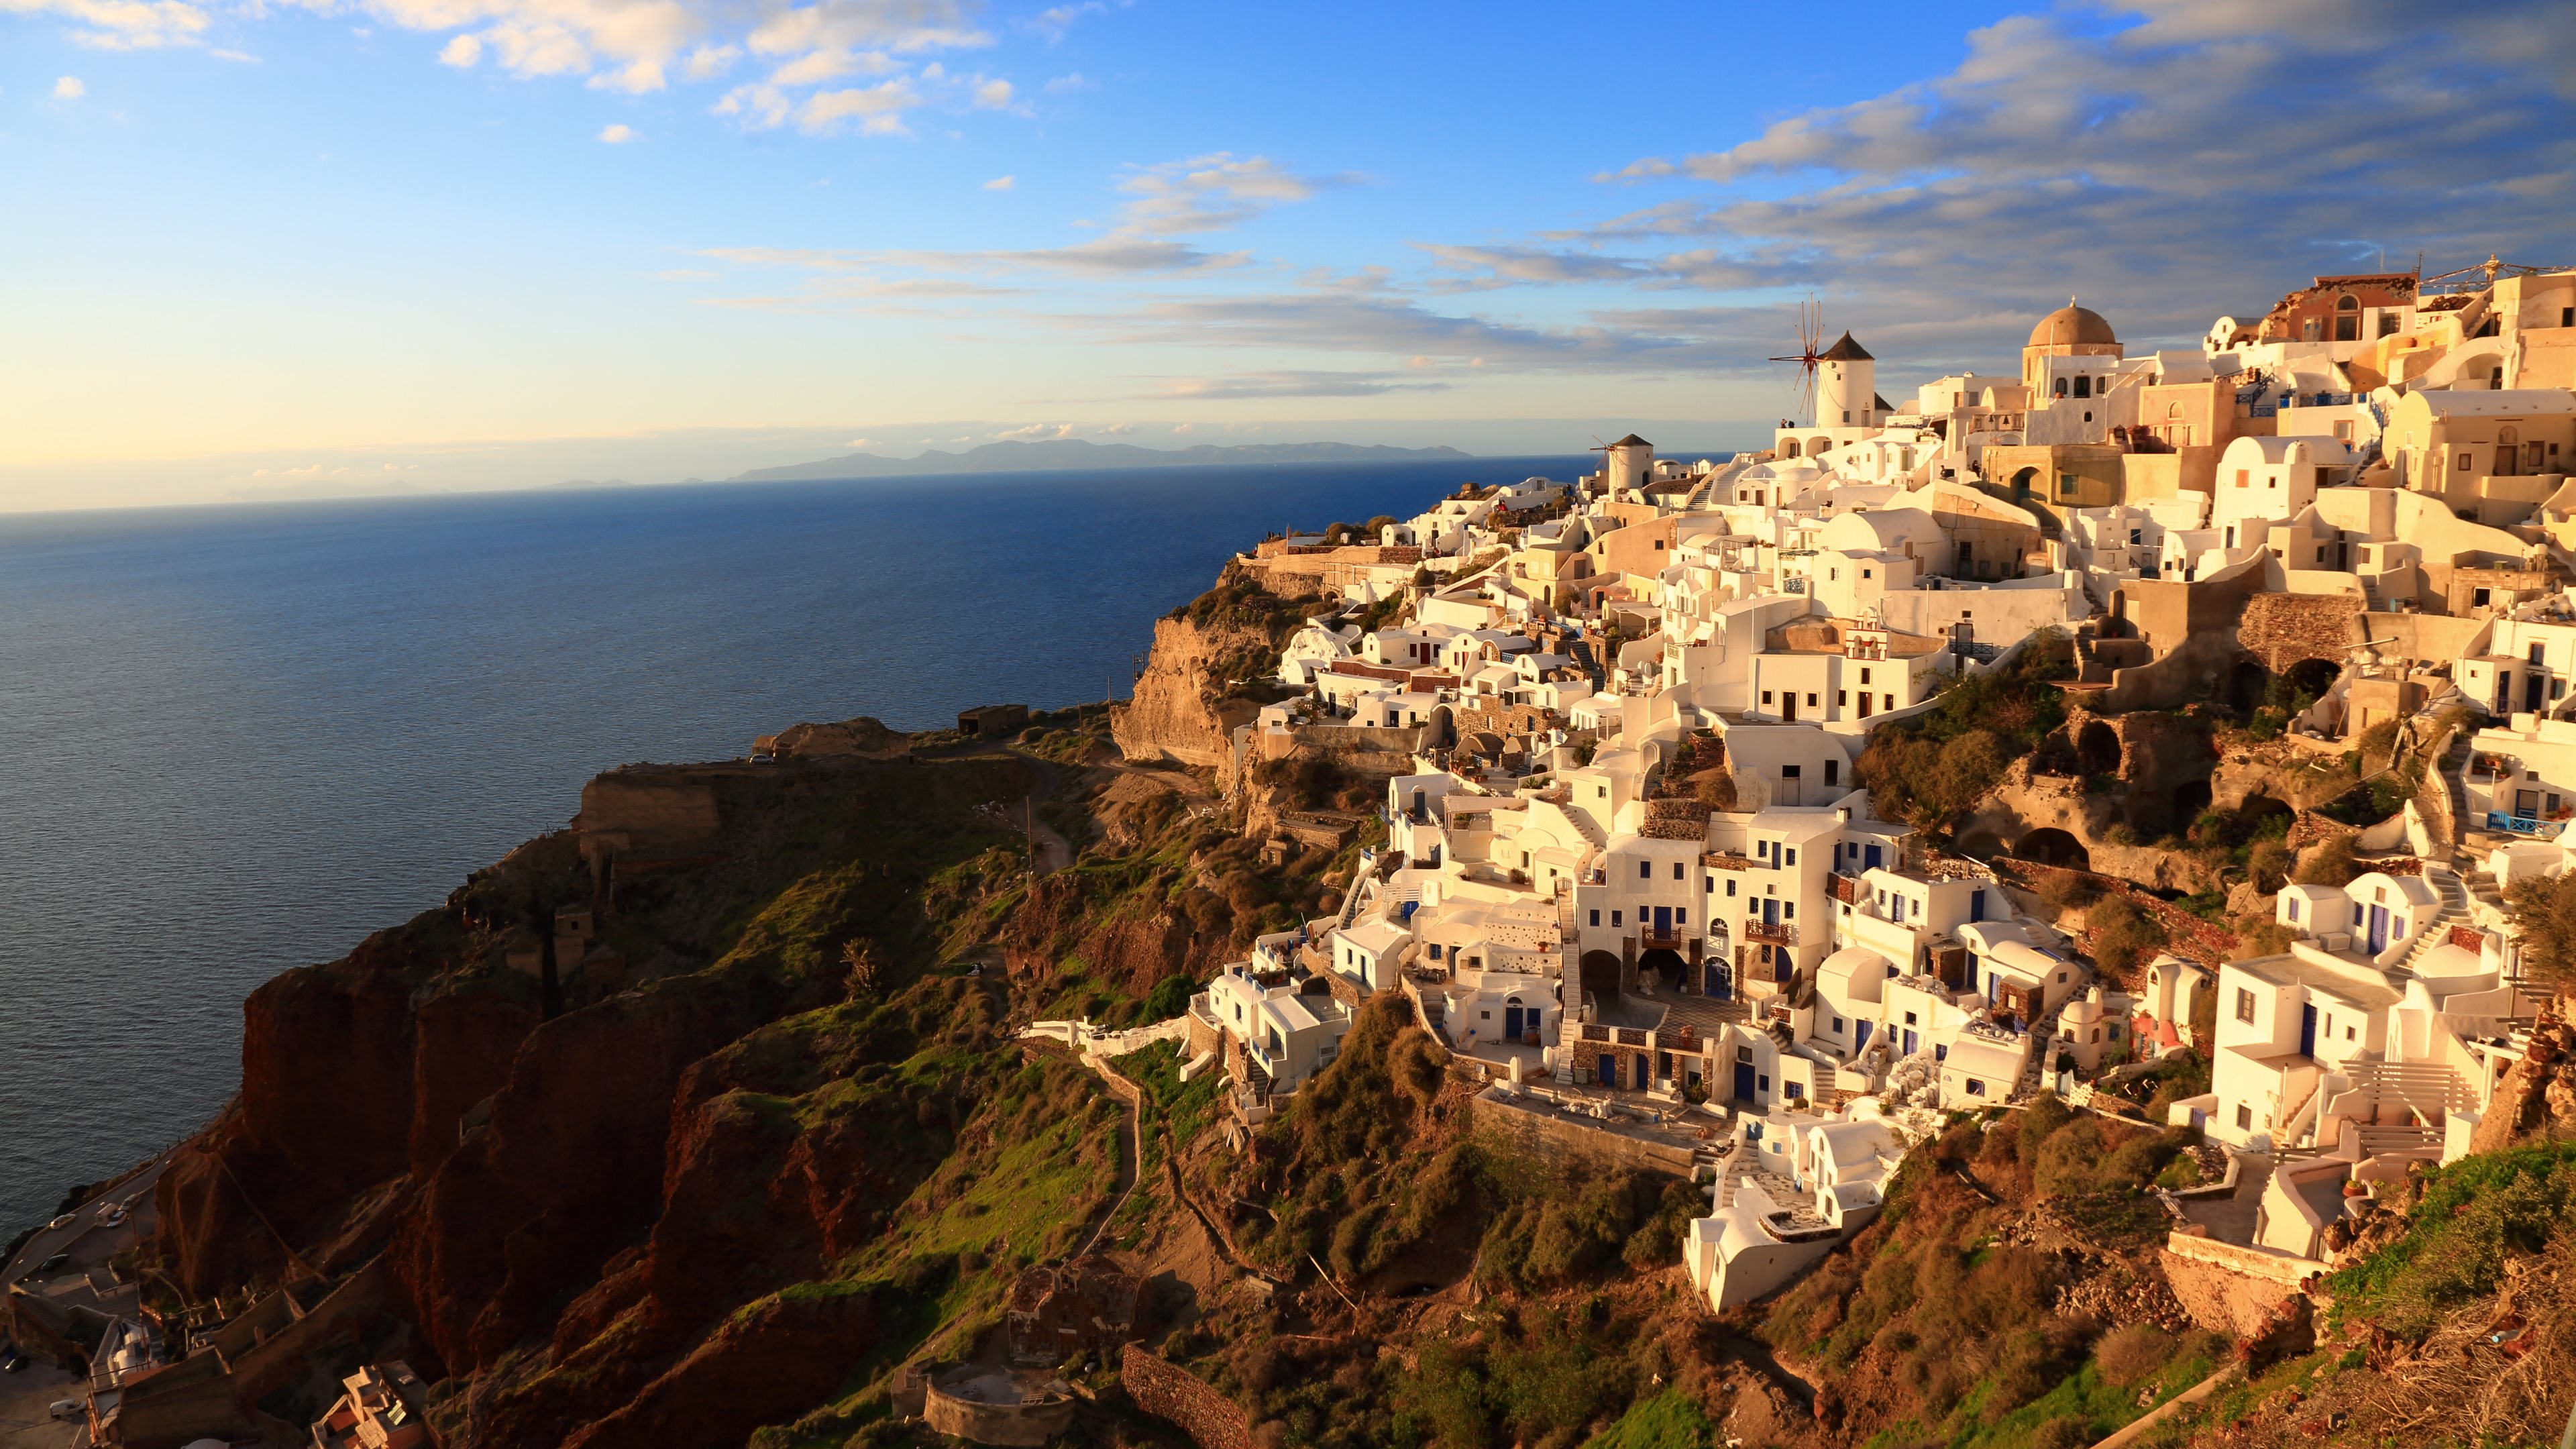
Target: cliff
[(1200, 680)]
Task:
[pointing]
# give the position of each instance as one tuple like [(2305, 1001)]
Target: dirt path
[(1131, 1143)]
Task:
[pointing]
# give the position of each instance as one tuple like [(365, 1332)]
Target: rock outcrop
[(1178, 712)]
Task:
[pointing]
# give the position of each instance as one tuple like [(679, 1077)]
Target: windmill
[(1811, 336)]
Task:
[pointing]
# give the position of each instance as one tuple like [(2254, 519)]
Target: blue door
[(1976, 905), (1609, 1070), (1511, 1023), (2378, 929), (1744, 1081), (1909, 1041), (1770, 911), (1869, 857), (1663, 920), (2308, 1031), (1860, 1037), (1645, 1071), (1716, 983)]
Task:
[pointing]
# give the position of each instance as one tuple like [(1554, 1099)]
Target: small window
[(1793, 860), (1832, 769), (1614, 918), (1645, 870), (2244, 1004), (1596, 918), (2244, 1117), (1789, 772), (1677, 870), (1838, 1026), (1976, 1088), (1744, 1054), (1730, 887)]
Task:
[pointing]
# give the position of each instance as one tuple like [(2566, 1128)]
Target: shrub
[(2122, 935), (2131, 1354), (2544, 917), (2068, 890), (2270, 862), (2329, 864)]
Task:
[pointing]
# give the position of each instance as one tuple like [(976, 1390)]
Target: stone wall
[(1177, 1396), (1530, 1126), (2229, 1289), (2282, 629)]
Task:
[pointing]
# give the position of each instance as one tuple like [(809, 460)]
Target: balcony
[(2515, 824), (1650, 938), (1778, 933)]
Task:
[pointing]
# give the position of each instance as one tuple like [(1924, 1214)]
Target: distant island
[(1066, 453)]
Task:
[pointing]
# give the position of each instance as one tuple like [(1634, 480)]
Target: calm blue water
[(237, 740)]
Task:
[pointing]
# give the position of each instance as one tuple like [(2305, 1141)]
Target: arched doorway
[(2052, 846), (1788, 447), (2021, 484), (2097, 749), (1600, 974), (2247, 683), (2347, 318), (2311, 677), (1660, 969), (1518, 1021)]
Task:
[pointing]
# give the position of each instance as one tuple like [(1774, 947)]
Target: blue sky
[(262, 245)]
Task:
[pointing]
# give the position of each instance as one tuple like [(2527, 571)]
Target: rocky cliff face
[(1176, 713), (591, 1221)]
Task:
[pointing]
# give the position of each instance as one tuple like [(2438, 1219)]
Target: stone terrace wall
[(1177, 1396), (2282, 629)]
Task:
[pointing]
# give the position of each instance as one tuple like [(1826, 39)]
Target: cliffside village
[(1767, 985), (1630, 876)]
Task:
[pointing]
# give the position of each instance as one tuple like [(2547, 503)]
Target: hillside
[(714, 1162)]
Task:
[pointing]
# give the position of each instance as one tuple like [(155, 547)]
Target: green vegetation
[(2544, 918), (2124, 936), (2474, 1215), (1667, 1421), (1933, 1302), (1928, 769)]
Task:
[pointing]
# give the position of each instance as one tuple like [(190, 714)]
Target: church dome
[(2070, 326)]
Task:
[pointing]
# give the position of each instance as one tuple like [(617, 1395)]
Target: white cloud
[(1182, 427), (1038, 430), (993, 95), (823, 65), (879, 108), (1115, 430), (1211, 192), (461, 52), (684, 274), (1055, 20), (709, 61), (1001, 183), (860, 443), (121, 24), (69, 88), (618, 133), (239, 56)]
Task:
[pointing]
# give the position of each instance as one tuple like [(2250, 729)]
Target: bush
[(2123, 935), (2329, 864), (2069, 890), (2544, 917), (2131, 1354)]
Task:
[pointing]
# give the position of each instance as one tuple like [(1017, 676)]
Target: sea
[(235, 740)]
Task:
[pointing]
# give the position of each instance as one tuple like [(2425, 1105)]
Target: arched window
[(1789, 449), (2347, 318), (2060, 389), (2174, 411), (2508, 454), (2083, 387)]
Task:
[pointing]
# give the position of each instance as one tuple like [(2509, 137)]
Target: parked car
[(55, 1264), (64, 1408), (65, 1221), (112, 1216)]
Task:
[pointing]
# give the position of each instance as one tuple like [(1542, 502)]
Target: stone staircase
[(2035, 1070), (2377, 1139), (2454, 910)]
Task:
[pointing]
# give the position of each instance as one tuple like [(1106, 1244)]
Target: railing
[(1651, 939), (2514, 824), (1778, 933)]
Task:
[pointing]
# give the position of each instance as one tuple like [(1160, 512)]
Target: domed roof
[(2070, 325)]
